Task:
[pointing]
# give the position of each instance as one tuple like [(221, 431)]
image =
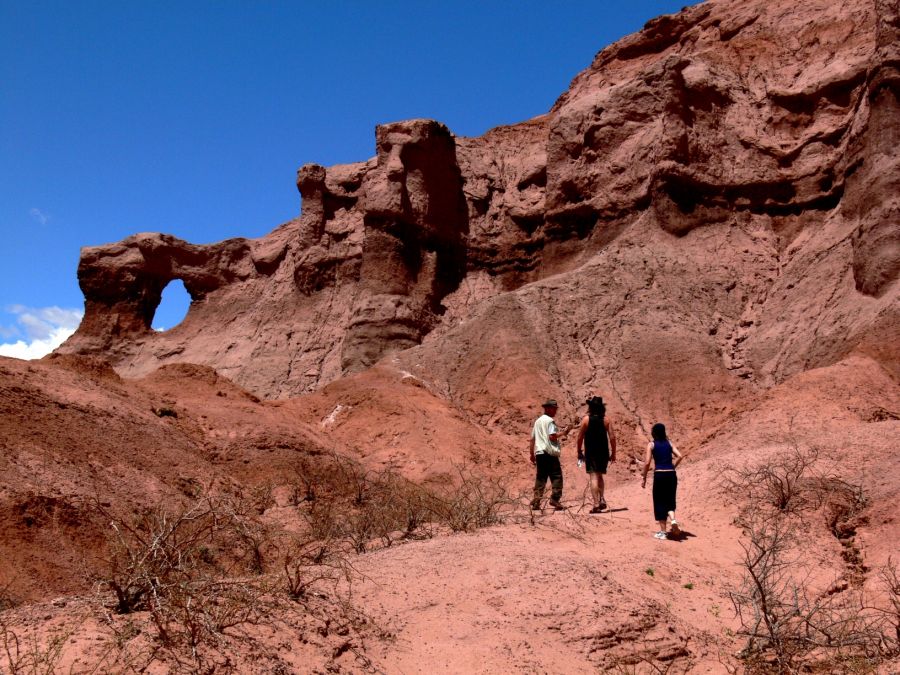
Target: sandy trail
[(568, 593)]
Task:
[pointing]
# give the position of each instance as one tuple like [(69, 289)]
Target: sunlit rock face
[(720, 190), (414, 250)]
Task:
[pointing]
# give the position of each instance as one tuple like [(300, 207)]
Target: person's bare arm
[(648, 457), (581, 429), (677, 455), (611, 434)]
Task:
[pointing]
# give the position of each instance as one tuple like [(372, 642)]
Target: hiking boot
[(556, 505), (535, 505)]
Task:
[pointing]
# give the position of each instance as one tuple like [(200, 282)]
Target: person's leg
[(556, 480), (540, 480), (601, 491), (602, 464), (673, 490), (659, 503), (595, 488)]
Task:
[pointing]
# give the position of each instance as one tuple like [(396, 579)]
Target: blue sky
[(192, 117)]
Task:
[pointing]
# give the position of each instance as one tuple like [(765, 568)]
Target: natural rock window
[(173, 307)]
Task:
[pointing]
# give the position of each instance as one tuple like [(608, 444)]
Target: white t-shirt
[(544, 426)]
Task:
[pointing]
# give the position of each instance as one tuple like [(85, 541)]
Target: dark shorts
[(596, 462), (665, 485)]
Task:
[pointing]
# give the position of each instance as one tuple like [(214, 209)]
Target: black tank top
[(595, 439)]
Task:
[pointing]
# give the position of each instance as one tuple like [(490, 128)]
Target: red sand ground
[(567, 593)]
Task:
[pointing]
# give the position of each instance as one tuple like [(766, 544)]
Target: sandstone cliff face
[(713, 204)]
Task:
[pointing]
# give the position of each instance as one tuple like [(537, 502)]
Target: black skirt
[(665, 485)]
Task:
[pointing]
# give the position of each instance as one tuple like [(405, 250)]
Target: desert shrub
[(196, 613), (157, 551), (787, 625), (890, 577), (196, 570), (308, 563), (476, 502), (784, 483), (28, 655), (360, 507)]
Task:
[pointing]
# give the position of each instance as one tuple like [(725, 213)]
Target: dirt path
[(571, 592)]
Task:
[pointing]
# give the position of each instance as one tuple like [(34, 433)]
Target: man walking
[(544, 454)]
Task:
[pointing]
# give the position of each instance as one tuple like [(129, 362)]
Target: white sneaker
[(660, 535), (676, 530)]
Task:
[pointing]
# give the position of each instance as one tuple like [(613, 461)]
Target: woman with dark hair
[(596, 435), (665, 458)]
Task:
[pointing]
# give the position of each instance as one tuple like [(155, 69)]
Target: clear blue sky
[(192, 117)]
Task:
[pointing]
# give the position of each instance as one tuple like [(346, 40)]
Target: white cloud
[(45, 329), (39, 216)]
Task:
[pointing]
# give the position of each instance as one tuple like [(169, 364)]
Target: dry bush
[(784, 483), (157, 551), (413, 508), (786, 625), (30, 656), (380, 507), (193, 617), (891, 580), (348, 503), (244, 539), (306, 564), (184, 568), (161, 549), (640, 664), (476, 502)]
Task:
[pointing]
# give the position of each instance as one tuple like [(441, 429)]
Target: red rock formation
[(703, 229), (729, 174)]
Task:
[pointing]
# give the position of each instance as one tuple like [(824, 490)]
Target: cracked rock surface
[(725, 181)]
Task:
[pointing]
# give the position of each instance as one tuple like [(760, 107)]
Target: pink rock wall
[(730, 174)]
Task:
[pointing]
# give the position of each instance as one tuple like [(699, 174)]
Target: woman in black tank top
[(596, 436), (665, 458)]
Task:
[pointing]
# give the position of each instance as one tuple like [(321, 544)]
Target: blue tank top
[(662, 456)]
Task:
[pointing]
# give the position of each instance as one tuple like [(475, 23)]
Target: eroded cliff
[(726, 181)]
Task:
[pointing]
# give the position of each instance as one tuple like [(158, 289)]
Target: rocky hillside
[(703, 229), (724, 181)]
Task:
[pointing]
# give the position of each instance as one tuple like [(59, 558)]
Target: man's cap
[(550, 403)]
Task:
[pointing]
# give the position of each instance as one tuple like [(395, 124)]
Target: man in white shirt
[(544, 454)]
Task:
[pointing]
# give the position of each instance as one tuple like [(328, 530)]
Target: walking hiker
[(544, 454), (597, 437), (665, 458)]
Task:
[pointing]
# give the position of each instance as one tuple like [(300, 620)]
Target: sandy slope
[(569, 592)]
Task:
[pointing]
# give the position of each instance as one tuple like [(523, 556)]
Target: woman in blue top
[(665, 457)]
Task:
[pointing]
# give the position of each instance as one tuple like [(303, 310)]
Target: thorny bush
[(786, 623), (362, 508)]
